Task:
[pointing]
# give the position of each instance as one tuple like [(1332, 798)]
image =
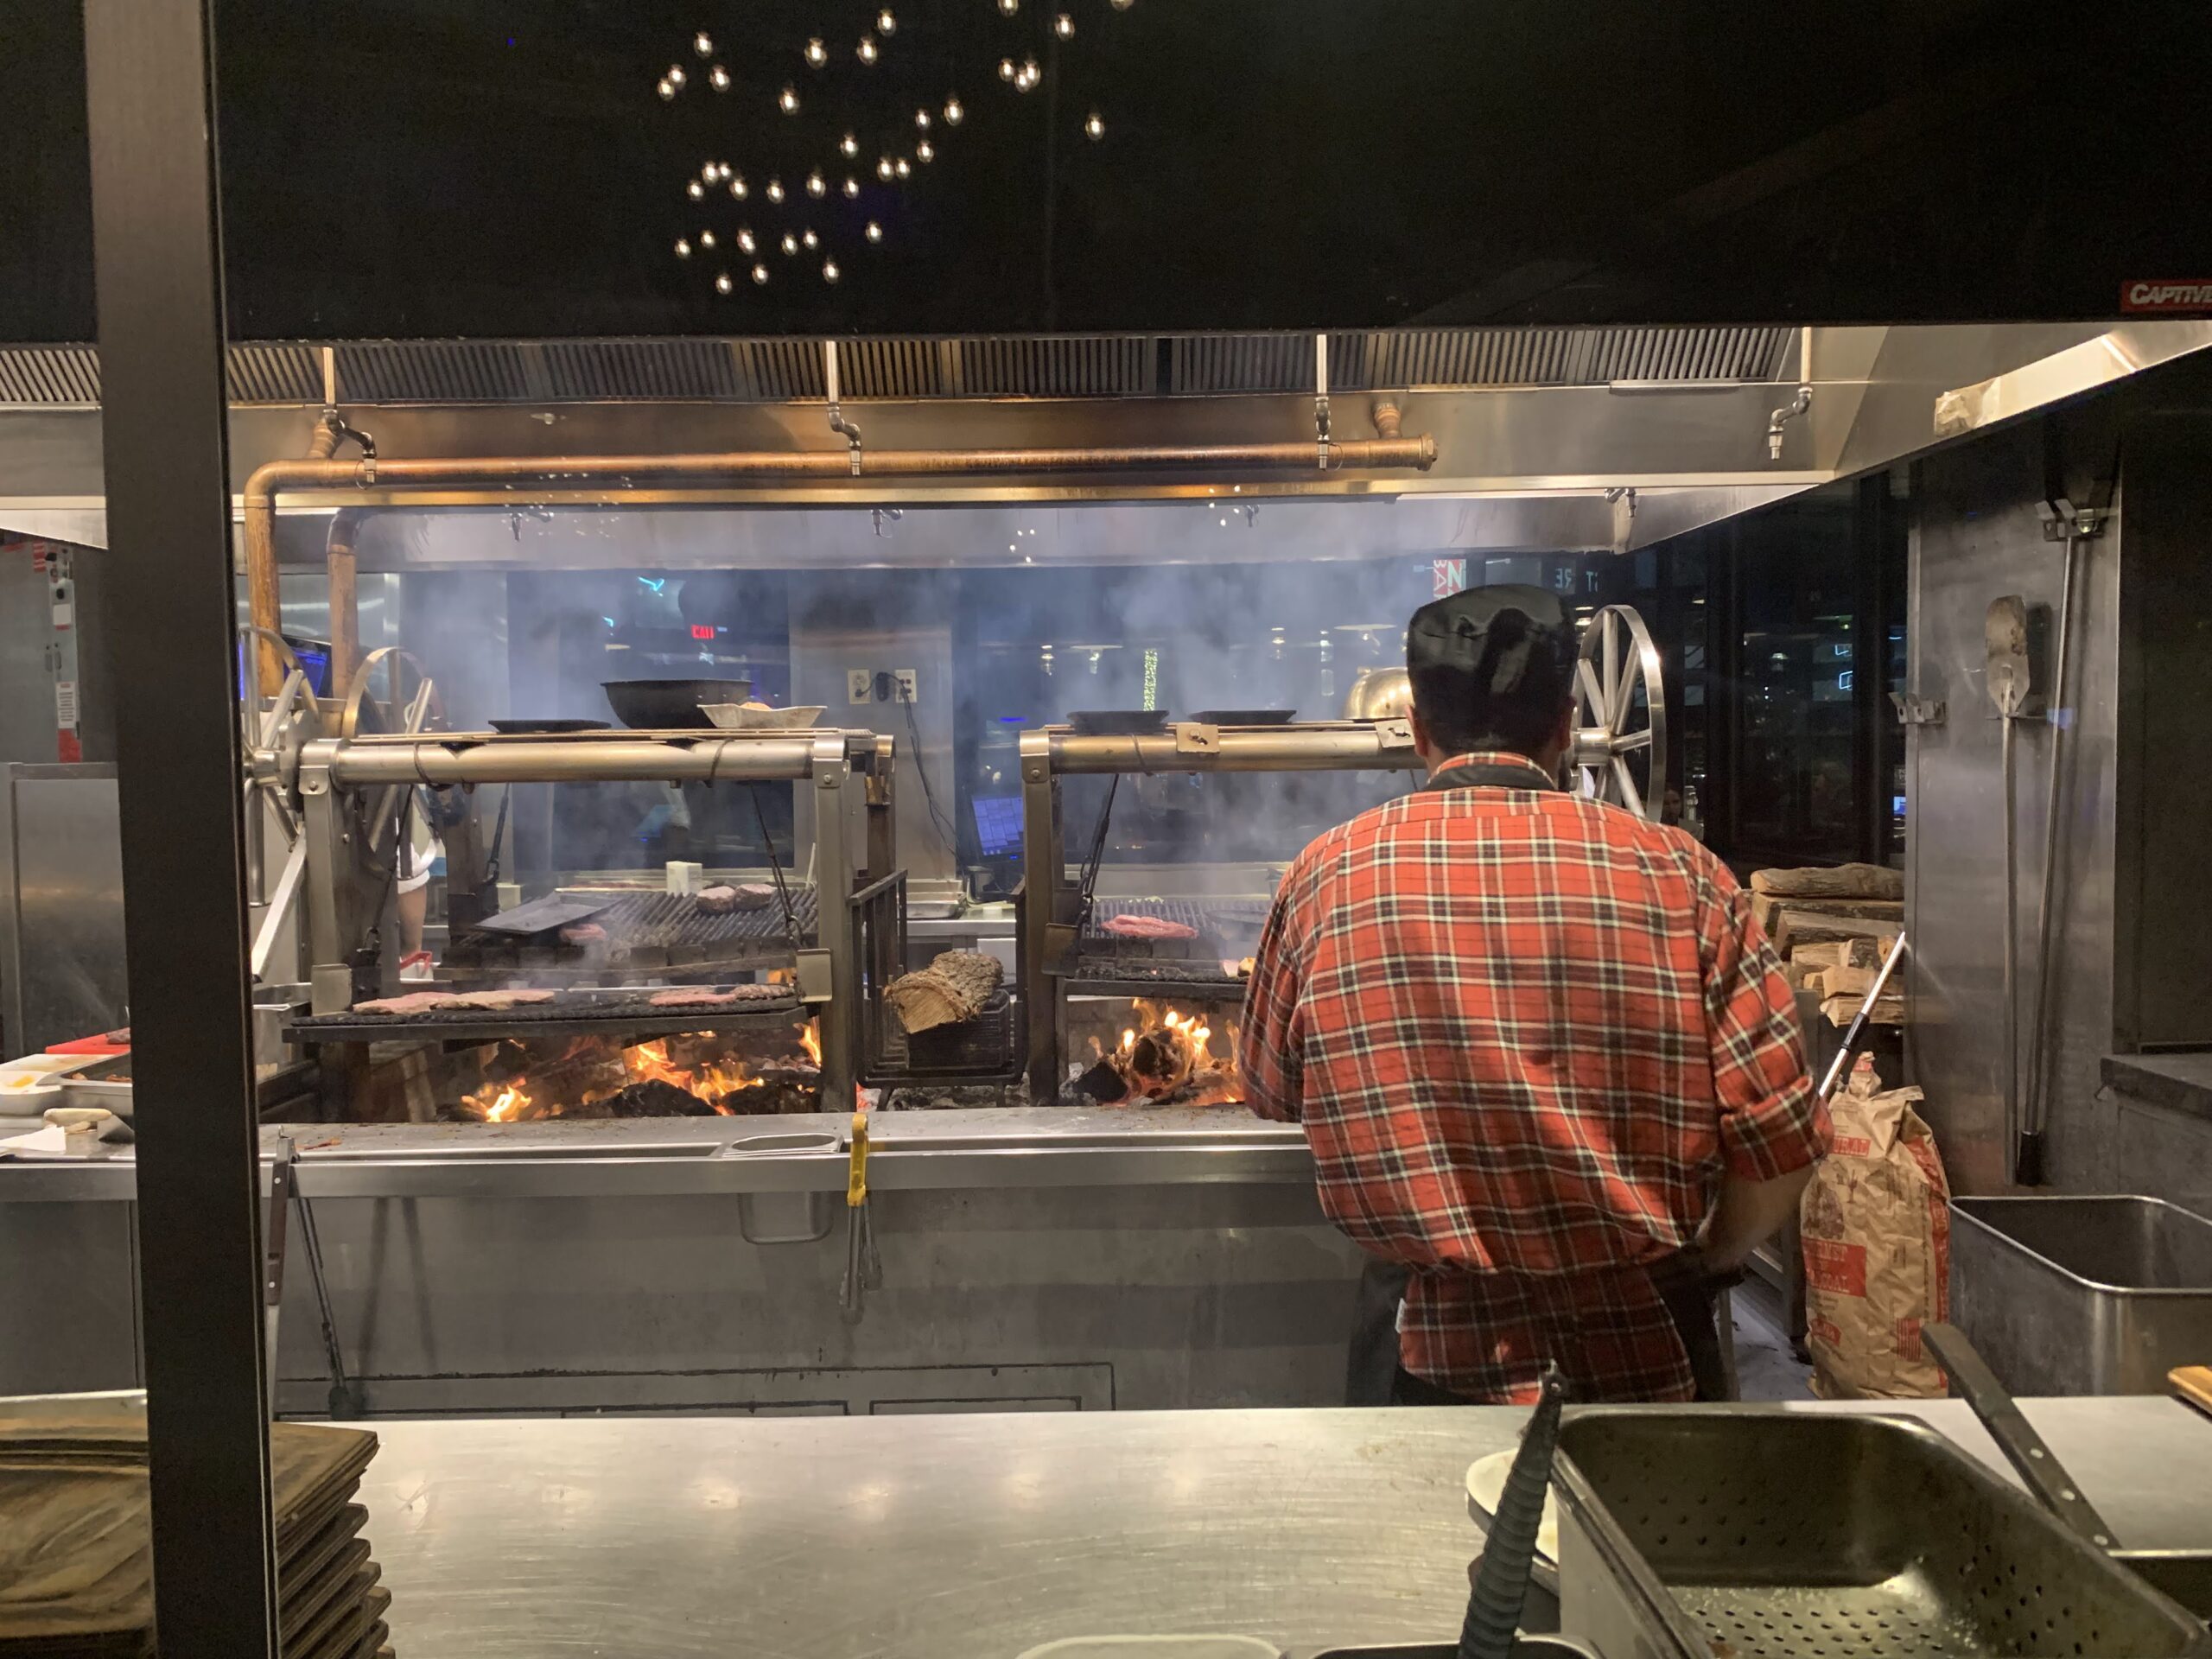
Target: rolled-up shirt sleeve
[(1771, 1123), (1268, 1043)]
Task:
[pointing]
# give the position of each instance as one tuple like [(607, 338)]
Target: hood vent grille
[(915, 367), (46, 375)]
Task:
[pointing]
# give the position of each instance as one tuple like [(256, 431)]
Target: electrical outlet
[(859, 685), (905, 682)]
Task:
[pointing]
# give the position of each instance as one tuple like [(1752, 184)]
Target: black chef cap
[(1493, 667)]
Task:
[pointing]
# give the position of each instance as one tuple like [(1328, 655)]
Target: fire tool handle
[(856, 1169)]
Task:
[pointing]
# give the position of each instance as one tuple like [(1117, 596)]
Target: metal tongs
[(863, 1267)]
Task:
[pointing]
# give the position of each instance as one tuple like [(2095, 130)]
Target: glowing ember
[(713, 1081)]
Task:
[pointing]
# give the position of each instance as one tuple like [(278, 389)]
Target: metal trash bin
[(2082, 1295)]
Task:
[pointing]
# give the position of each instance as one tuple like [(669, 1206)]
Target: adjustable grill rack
[(571, 1013), (1063, 953), (649, 932)]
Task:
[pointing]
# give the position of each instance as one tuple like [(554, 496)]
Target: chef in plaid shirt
[(1545, 1058)]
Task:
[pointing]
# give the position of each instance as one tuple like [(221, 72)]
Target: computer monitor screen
[(998, 825)]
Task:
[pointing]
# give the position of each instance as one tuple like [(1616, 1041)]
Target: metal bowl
[(670, 705)]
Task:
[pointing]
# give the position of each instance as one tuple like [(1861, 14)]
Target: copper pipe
[(266, 481), (344, 599)]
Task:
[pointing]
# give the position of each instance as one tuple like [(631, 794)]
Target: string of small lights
[(895, 168)]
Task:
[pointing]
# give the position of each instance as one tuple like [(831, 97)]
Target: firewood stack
[(1832, 925), (951, 991)]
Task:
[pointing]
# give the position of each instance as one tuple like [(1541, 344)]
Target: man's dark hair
[(1491, 667)]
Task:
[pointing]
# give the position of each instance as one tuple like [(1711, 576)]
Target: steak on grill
[(1148, 927), (705, 996)]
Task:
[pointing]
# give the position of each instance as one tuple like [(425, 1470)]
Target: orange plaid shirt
[(1526, 1033)]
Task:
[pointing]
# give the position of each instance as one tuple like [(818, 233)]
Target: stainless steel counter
[(1038, 1258), (1016, 1147), (979, 1536)]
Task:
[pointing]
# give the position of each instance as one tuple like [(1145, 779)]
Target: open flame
[(1169, 1054), (500, 1102), (808, 1041), (713, 1081)]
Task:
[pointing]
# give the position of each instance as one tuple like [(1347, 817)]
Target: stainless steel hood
[(1548, 438)]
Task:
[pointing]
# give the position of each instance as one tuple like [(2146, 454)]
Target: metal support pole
[(1043, 895), (835, 814), (150, 86)]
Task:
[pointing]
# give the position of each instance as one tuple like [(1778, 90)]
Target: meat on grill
[(499, 1002), (446, 1002), (584, 934), (749, 895), (1148, 927), (705, 996), (413, 1002)]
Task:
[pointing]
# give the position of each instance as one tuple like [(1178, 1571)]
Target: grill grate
[(574, 1013), (668, 921)]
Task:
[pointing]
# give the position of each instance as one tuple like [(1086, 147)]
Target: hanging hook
[(838, 423), (1321, 401)]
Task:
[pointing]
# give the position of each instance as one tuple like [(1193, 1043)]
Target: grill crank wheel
[(1620, 714)]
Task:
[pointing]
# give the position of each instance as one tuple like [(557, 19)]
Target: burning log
[(1166, 1060), (695, 1075)]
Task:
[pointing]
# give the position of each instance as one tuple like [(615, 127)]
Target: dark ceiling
[(433, 167)]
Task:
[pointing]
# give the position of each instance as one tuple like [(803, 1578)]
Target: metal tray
[(1764, 1533), (105, 1083), (2081, 1295)]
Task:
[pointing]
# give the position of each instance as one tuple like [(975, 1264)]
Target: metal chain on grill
[(775, 869), (1090, 881)]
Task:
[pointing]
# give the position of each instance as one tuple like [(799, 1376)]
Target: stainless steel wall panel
[(61, 958), (69, 1296), (1976, 534)]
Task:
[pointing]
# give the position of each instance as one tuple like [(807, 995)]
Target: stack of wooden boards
[(1832, 925), (76, 1568), (952, 990)]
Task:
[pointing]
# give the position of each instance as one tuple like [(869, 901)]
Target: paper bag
[(1877, 1227)]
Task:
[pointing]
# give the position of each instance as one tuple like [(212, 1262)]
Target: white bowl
[(736, 717)]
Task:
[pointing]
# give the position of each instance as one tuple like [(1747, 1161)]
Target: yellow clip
[(856, 1176)]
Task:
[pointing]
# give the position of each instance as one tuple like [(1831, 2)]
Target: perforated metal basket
[(1760, 1533)]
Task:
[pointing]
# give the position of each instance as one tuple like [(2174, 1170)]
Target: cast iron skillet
[(1118, 722), (670, 705)]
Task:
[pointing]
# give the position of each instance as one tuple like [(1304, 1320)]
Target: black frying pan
[(670, 705), (541, 727), (1118, 722)]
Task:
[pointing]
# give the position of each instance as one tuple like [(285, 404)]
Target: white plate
[(1486, 1486), (736, 717)]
